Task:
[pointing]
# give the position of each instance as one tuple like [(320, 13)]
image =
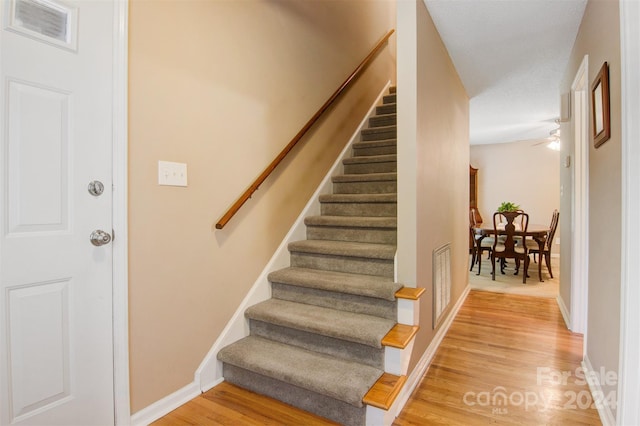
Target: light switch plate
[(172, 174)]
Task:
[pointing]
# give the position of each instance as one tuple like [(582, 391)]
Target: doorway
[(580, 201), (63, 340)]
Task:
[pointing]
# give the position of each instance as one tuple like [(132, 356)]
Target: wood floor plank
[(496, 345)]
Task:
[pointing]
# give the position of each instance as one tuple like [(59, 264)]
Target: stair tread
[(344, 248), (385, 114), (385, 391), (344, 380), (357, 284), (364, 329), (375, 143), (359, 198), (366, 159), (352, 221), (411, 293), (400, 336), (365, 177), (379, 129), (386, 107)]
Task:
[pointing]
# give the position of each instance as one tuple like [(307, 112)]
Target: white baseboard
[(564, 311), (416, 375), (604, 410), (164, 406), (209, 373)]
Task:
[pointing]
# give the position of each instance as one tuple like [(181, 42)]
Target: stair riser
[(343, 302), (375, 150), (383, 120), (389, 99), (386, 109), (354, 265), (359, 209), (378, 134), (386, 167), (375, 187), (321, 405), (341, 349), (360, 235)]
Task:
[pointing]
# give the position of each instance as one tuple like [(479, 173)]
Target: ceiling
[(511, 56)]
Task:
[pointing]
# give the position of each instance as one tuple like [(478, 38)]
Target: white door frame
[(580, 201), (628, 411), (120, 210)]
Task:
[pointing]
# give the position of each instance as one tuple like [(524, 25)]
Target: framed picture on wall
[(600, 118)]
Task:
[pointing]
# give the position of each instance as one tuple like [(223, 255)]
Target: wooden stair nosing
[(385, 391), (411, 293), (400, 336)]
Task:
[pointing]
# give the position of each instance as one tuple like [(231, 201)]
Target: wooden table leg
[(479, 252), (540, 249)]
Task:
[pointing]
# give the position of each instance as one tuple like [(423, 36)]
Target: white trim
[(564, 311), (628, 412), (580, 202), (166, 405), (122, 411), (407, 106), (209, 373), (593, 379), (420, 369)]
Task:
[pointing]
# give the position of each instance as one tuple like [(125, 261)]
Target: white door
[(56, 350)]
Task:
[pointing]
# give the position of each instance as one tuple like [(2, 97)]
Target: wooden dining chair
[(486, 243), (508, 247), (534, 248)]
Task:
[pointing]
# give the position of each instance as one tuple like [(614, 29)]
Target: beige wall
[(438, 157), (223, 86), (520, 172), (599, 37)]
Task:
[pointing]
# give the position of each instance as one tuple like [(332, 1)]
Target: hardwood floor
[(502, 362), (502, 344), (227, 404)]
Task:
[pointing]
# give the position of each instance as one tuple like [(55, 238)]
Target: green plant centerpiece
[(508, 207), (509, 211)]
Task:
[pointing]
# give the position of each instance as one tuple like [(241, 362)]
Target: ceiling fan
[(553, 141)]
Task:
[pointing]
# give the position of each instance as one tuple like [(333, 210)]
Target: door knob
[(95, 188), (99, 238)]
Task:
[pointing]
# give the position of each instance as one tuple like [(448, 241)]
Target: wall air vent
[(441, 282), (45, 20)]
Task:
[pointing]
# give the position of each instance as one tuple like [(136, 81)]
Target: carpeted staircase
[(317, 343)]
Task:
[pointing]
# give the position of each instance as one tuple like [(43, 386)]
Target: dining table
[(537, 232)]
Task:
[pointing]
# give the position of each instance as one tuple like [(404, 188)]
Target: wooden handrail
[(271, 167)]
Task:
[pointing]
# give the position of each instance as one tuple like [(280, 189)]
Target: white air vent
[(441, 282), (45, 20)]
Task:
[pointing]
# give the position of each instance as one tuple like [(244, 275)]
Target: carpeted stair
[(317, 343)]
